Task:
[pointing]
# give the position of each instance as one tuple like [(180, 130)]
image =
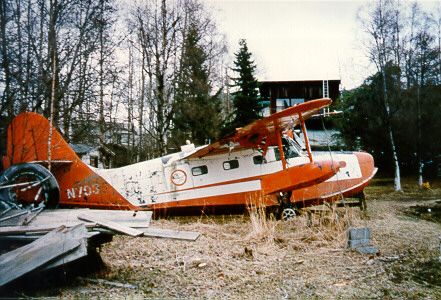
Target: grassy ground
[(255, 257)]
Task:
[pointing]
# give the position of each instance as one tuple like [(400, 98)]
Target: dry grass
[(256, 256), (262, 225)]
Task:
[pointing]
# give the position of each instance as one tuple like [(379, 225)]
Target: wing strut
[(305, 135), (278, 133)]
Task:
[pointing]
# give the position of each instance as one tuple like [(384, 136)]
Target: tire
[(46, 189), (286, 210), (288, 214)]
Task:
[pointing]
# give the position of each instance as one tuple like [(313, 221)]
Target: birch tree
[(420, 69), (379, 22)]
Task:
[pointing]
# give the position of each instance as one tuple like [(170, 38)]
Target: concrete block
[(359, 233), (358, 243), (367, 250), (358, 237)]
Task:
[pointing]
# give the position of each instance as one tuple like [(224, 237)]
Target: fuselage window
[(201, 170), (258, 160), (231, 164)]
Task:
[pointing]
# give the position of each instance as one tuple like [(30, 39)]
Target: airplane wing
[(262, 133)]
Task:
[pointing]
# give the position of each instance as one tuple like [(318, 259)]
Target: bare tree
[(35, 34), (157, 26), (7, 101), (420, 67), (68, 48), (437, 20), (160, 29), (380, 22)]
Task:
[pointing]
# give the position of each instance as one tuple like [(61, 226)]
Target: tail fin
[(28, 140)]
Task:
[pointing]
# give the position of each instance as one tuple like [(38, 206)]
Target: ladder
[(325, 95), (325, 89)]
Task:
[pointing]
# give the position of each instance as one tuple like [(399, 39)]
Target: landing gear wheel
[(29, 184), (286, 210), (288, 214)]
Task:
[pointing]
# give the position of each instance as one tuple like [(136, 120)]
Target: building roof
[(81, 148), (299, 81)]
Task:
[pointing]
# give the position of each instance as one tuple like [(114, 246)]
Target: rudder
[(80, 186)]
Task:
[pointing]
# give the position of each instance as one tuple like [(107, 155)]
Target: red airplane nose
[(299, 176), (366, 162)]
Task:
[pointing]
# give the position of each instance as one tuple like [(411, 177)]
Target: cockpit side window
[(201, 170), (290, 148), (231, 164), (258, 159)]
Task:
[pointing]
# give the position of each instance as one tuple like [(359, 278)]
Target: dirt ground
[(254, 257)]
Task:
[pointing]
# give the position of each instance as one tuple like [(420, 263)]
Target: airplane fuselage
[(253, 166), (173, 180)]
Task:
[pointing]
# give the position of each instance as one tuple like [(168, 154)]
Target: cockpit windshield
[(290, 147)]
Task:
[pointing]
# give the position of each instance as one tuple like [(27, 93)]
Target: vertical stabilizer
[(27, 142)]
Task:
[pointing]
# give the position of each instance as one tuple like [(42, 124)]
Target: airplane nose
[(328, 169), (299, 176), (337, 165), (366, 162)]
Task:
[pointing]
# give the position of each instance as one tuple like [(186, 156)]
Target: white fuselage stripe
[(217, 190)]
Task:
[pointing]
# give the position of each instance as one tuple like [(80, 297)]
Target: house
[(278, 95), (88, 154), (107, 150)]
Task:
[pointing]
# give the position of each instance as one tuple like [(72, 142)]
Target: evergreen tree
[(197, 115), (245, 99)]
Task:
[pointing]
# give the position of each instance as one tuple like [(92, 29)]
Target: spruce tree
[(245, 99), (197, 115)]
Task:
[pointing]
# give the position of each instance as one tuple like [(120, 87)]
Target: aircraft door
[(178, 177), (156, 185)]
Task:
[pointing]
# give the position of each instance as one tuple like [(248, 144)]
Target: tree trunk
[(420, 160), (397, 179), (101, 79), (141, 109), (52, 114), (7, 102)]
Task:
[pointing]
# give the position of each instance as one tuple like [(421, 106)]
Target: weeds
[(263, 227), (321, 225)]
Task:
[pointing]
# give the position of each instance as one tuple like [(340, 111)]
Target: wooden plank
[(5, 211), (32, 236), (29, 246), (11, 230), (32, 214), (20, 213), (79, 233), (70, 216), (27, 258), (58, 217), (111, 225), (139, 219), (21, 216), (10, 218), (170, 234)]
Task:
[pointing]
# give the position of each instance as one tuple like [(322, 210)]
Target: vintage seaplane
[(262, 164)]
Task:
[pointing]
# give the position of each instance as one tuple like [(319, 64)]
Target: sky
[(297, 40)]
